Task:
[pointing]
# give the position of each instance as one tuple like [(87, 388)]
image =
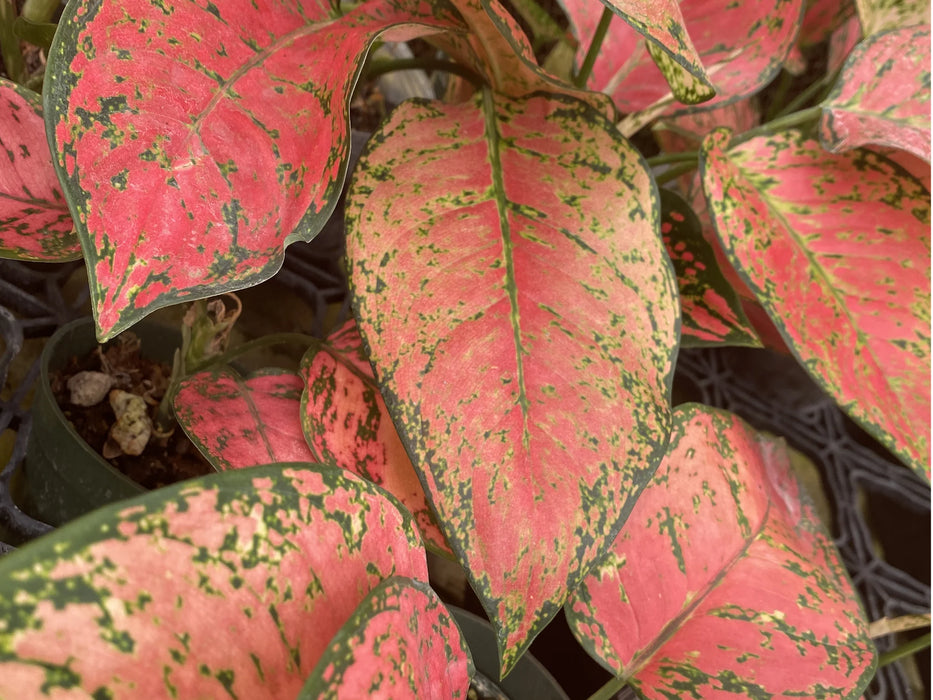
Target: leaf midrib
[(640, 661), (491, 133)]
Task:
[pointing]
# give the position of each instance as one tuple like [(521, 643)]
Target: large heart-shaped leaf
[(837, 249), (883, 95), (34, 219), (243, 421), (196, 140), (512, 286), (227, 586), (750, 39), (400, 643), (723, 582), (712, 311), (346, 423)]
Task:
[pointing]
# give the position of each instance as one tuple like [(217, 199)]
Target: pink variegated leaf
[(522, 319), (712, 311), (496, 47), (346, 423), (400, 643), (879, 16), (239, 421), (196, 140), (883, 95), (662, 24), (34, 219), (723, 582), (918, 167), (843, 40), (837, 250), (231, 585), (822, 18), (750, 40)]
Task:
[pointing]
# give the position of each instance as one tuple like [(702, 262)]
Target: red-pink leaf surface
[(243, 421), (196, 140), (882, 96), (400, 643), (231, 585), (841, 43), (511, 283), (663, 24), (34, 219), (822, 18), (751, 39), (712, 311), (496, 48), (346, 423), (837, 250), (723, 582)]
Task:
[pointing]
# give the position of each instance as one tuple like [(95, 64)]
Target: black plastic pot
[(529, 680), (63, 477)]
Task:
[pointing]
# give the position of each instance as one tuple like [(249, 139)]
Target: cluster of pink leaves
[(522, 288)]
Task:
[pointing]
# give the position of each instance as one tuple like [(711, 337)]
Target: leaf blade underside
[(522, 341)]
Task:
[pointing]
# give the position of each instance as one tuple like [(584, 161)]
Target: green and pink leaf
[(240, 421), (346, 423), (230, 585), (837, 250), (723, 581), (511, 283), (196, 141), (883, 95), (663, 24), (400, 643), (742, 45), (34, 221), (712, 311)]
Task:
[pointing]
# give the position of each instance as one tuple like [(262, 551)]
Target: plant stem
[(40, 11), (9, 43), (667, 158), (264, 341), (593, 51), (608, 691), (379, 67), (808, 94), (675, 172), (780, 93), (906, 649), (781, 123)]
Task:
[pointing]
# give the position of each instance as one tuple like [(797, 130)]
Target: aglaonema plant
[(523, 277)]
